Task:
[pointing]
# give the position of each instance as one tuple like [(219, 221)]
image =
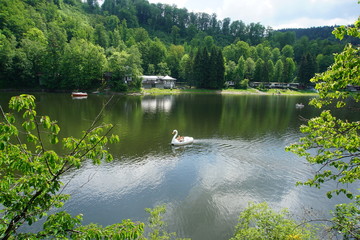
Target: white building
[(158, 82)]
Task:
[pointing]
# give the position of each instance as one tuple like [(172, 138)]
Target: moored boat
[(79, 94)]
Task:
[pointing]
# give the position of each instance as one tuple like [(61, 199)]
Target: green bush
[(258, 221)]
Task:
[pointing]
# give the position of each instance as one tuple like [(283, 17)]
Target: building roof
[(167, 77), (153, 78)]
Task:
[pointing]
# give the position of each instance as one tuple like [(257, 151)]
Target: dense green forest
[(70, 44)]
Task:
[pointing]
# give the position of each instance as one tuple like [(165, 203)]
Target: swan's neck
[(176, 133)]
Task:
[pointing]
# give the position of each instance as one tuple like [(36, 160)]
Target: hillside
[(68, 44), (314, 33)]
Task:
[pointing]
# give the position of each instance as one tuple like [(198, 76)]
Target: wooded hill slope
[(69, 44)]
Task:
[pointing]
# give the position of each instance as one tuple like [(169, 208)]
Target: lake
[(237, 157)]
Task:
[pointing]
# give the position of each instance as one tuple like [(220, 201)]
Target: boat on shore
[(79, 94)]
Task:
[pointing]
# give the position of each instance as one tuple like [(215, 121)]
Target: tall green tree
[(173, 58), (34, 45), (234, 51), (7, 52), (281, 39), (307, 69), (21, 75), (101, 36), (186, 68), (163, 69), (288, 70), (269, 70), (217, 69), (275, 54), (324, 61), (201, 68), (259, 71), (287, 51), (175, 34), (249, 68), (230, 72), (240, 69), (83, 65), (56, 37), (301, 47), (256, 32), (153, 52), (16, 17), (278, 72)]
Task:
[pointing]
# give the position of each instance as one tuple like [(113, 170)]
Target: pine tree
[(220, 69), (212, 82), (197, 69), (201, 68), (307, 68), (205, 69)]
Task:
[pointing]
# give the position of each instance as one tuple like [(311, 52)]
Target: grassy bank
[(158, 91)]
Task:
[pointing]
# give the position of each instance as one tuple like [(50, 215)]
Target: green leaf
[(329, 195), (2, 145), (54, 128), (54, 139), (45, 120), (350, 195)]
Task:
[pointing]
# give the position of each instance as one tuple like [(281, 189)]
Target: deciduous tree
[(289, 70), (332, 143), (259, 221), (82, 65), (30, 176)]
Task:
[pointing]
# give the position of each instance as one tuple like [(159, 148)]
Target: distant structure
[(279, 85), (166, 82)]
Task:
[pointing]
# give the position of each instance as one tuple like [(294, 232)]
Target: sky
[(277, 14)]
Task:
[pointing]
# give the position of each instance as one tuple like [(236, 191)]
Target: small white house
[(158, 82)]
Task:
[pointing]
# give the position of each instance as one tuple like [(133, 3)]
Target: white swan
[(182, 141)]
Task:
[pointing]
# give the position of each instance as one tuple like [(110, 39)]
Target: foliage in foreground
[(333, 144), (31, 171), (258, 221), (30, 178)]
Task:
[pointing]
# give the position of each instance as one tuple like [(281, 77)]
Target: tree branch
[(91, 128)]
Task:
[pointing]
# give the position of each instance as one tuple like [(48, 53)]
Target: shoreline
[(249, 91), (158, 91)]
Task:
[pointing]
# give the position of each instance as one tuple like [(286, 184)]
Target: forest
[(74, 44)]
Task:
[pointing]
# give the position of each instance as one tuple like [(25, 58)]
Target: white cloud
[(295, 13), (178, 3), (249, 11), (311, 22), (276, 13)]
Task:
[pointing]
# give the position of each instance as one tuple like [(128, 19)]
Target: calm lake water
[(237, 157)]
